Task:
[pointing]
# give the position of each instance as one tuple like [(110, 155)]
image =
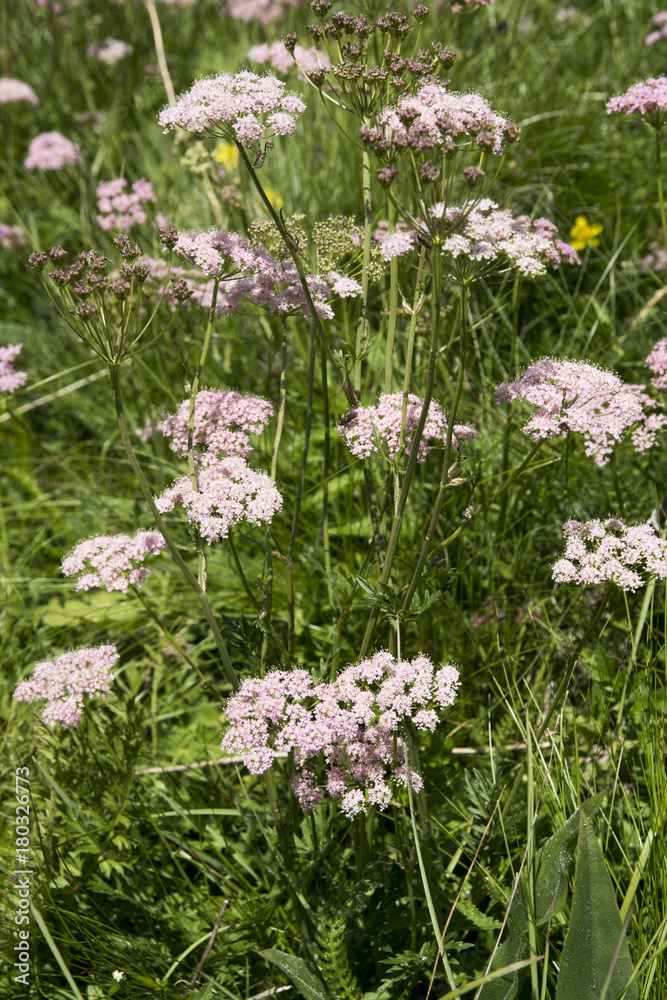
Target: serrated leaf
[(481, 920), (308, 982), (204, 993), (595, 948)]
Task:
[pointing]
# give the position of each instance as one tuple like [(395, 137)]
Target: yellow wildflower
[(226, 154), (583, 234), (274, 198)]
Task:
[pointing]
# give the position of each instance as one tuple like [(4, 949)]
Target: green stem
[(268, 598), (658, 171), (299, 489), (393, 310), (414, 450), (422, 871), (410, 348), (444, 474), (362, 325), (202, 569), (571, 664), (165, 631), (114, 373)]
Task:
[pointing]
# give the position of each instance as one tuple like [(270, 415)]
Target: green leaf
[(308, 982), (551, 865), (595, 950)]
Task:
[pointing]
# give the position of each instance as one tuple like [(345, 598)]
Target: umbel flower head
[(577, 396), (16, 90), (119, 208), (611, 551), (246, 107), (63, 682), (377, 429), (224, 421), (354, 723), (646, 99), (227, 493), (52, 151), (657, 362), (112, 561), (10, 380)]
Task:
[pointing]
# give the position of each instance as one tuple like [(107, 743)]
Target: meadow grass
[(144, 847)]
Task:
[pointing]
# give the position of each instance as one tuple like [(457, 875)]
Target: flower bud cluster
[(347, 732)]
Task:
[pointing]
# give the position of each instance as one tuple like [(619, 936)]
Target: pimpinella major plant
[(300, 516)]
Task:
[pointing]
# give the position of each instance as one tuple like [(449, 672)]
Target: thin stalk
[(393, 311), (114, 374), (392, 544), (299, 489), (410, 348), (202, 568), (326, 542), (165, 631), (268, 596), (427, 889), (362, 325), (444, 475), (658, 171), (159, 50), (246, 586), (571, 664)]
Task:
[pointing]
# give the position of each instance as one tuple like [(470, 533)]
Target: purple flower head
[(657, 362), (112, 561), (220, 254), (434, 113), (16, 90), (611, 551), (647, 99), (262, 11), (11, 237), (377, 429), (228, 492), (245, 107), (63, 682), (491, 236), (351, 724), (110, 51), (10, 380), (224, 421), (120, 208), (52, 151), (576, 396)]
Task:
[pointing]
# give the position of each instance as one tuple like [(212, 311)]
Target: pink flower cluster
[(611, 551), (110, 51), (112, 561), (218, 253), (10, 380), (576, 396), (52, 151), (488, 233), (11, 237), (647, 98), (223, 422), (63, 682), (378, 428), (657, 362), (281, 60), (16, 90), (354, 723), (440, 115), (247, 108), (660, 21), (227, 492), (121, 209), (262, 11), (279, 291)]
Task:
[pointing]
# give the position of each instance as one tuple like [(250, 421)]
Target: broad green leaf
[(309, 983), (595, 949), (551, 866)]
